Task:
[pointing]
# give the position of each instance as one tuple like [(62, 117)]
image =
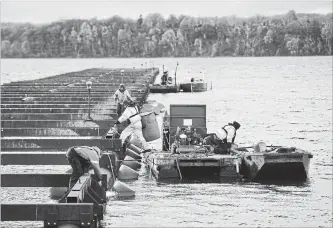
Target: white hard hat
[(221, 134), (182, 136)]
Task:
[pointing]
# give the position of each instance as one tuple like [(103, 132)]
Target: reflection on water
[(283, 101)]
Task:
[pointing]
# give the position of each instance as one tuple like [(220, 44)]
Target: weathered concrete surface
[(52, 110), (57, 143), (52, 123), (19, 94), (68, 131), (60, 103), (55, 116), (52, 105)]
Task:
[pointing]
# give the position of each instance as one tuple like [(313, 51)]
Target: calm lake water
[(281, 100)]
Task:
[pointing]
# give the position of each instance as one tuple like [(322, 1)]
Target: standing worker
[(81, 159), (120, 96), (132, 115)]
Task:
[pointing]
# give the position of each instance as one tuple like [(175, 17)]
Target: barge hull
[(275, 166), (193, 87)]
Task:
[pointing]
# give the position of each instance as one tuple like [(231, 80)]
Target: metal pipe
[(89, 104)]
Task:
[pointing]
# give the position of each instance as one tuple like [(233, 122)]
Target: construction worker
[(231, 130), (217, 142), (120, 96), (81, 159), (134, 129)]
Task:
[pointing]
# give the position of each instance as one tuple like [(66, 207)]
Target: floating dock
[(41, 119)]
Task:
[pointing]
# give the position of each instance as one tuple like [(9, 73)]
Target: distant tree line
[(182, 36)]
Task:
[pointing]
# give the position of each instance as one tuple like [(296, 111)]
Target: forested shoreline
[(290, 34)]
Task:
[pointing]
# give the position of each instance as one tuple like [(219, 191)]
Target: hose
[(180, 173), (114, 178)]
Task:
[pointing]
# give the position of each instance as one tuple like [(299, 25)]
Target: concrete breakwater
[(58, 105), (41, 119)]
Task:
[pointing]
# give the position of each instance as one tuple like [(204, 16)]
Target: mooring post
[(89, 83), (122, 76)]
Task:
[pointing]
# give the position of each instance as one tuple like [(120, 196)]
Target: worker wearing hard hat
[(134, 129), (217, 142), (120, 96), (223, 139), (231, 129)]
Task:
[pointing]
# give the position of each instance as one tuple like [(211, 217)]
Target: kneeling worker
[(218, 142), (231, 130), (81, 159)]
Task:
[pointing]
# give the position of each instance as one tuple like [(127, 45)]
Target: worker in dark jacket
[(231, 130), (217, 142), (81, 160), (120, 96)]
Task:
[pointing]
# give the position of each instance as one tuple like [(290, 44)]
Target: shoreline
[(171, 57)]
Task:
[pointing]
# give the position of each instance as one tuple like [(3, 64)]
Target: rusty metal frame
[(39, 180), (51, 214)]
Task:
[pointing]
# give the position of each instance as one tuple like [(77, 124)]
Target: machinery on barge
[(184, 154)]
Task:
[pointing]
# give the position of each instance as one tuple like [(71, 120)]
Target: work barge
[(191, 159), (41, 119)]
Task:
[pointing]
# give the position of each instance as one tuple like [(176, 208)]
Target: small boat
[(194, 85), (157, 88), (168, 84), (275, 163)]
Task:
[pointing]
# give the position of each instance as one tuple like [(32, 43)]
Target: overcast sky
[(47, 11)]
